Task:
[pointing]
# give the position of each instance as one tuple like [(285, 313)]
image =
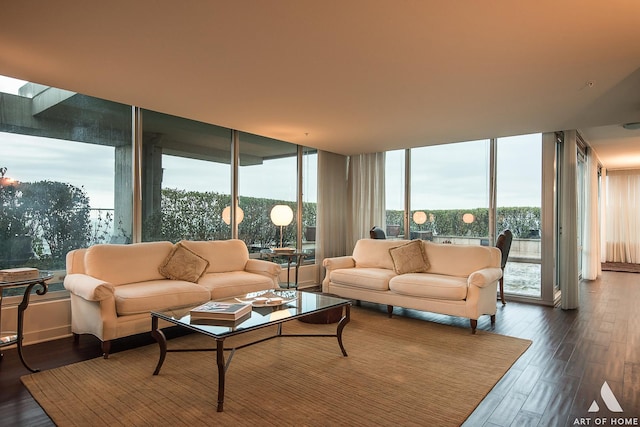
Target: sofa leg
[(493, 320), (390, 310), (76, 338), (474, 325), (106, 347)]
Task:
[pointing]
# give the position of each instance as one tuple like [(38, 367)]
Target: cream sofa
[(460, 280), (114, 287)]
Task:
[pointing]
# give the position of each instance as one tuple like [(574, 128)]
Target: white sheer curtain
[(366, 196), (603, 216), (591, 266), (568, 239), (623, 216), (332, 215)]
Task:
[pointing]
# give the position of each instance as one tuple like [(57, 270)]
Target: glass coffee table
[(295, 305)]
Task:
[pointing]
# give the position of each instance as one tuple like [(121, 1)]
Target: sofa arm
[(339, 262), (88, 287), (265, 268), (484, 277)]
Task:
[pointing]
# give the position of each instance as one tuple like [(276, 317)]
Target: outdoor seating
[(377, 233), (504, 244)]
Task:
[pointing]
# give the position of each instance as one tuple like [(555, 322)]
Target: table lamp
[(226, 215), (281, 215), (419, 217)]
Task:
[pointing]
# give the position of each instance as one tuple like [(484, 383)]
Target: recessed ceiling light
[(632, 126)]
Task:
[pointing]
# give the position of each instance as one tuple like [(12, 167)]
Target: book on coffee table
[(216, 322), (220, 310)]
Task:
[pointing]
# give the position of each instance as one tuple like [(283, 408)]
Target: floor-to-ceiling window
[(69, 162), (450, 193), (267, 177), (185, 179), (394, 193), (519, 198), (69, 158)]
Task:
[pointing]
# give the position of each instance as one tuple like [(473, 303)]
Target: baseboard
[(47, 335), (43, 320)]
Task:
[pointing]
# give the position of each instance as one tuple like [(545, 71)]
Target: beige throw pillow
[(410, 258), (183, 264)]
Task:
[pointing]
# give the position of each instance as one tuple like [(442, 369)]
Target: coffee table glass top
[(296, 304)]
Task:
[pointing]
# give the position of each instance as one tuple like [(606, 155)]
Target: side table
[(10, 338), (294, 258)]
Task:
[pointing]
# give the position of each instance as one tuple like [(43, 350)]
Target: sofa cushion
[(121, 264), (374, 253), (366, 278), (460, 260), (234, 283), (409, 258), (428, 285), (223, 255), (183, 264), (158, 295)]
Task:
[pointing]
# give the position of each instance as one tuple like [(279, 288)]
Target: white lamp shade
[(419, 217), (468, 218), (281, 215), (226, 215)]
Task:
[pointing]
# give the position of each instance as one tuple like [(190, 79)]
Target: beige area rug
[(399, 371)]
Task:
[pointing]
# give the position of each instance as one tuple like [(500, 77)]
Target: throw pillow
[(410, 258), (183, 264)]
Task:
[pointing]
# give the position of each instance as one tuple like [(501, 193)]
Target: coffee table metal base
[(223, 365)]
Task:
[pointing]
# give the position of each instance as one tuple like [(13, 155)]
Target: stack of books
[(213, 310), (18, 274)]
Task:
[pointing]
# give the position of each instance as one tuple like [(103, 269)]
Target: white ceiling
[(348, 76)]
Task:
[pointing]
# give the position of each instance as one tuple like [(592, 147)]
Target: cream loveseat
[(114, 287), (456, 280)]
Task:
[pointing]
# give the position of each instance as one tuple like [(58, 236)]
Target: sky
[(30, 159), (450, 176), (455, 176)]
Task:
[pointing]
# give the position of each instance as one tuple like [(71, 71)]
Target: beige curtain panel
[(623, 216)]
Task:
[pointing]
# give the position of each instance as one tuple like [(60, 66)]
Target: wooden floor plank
[(631, 388), (540, 397), (508, 409)]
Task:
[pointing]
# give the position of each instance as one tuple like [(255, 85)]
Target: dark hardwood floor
[(553, 384)]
